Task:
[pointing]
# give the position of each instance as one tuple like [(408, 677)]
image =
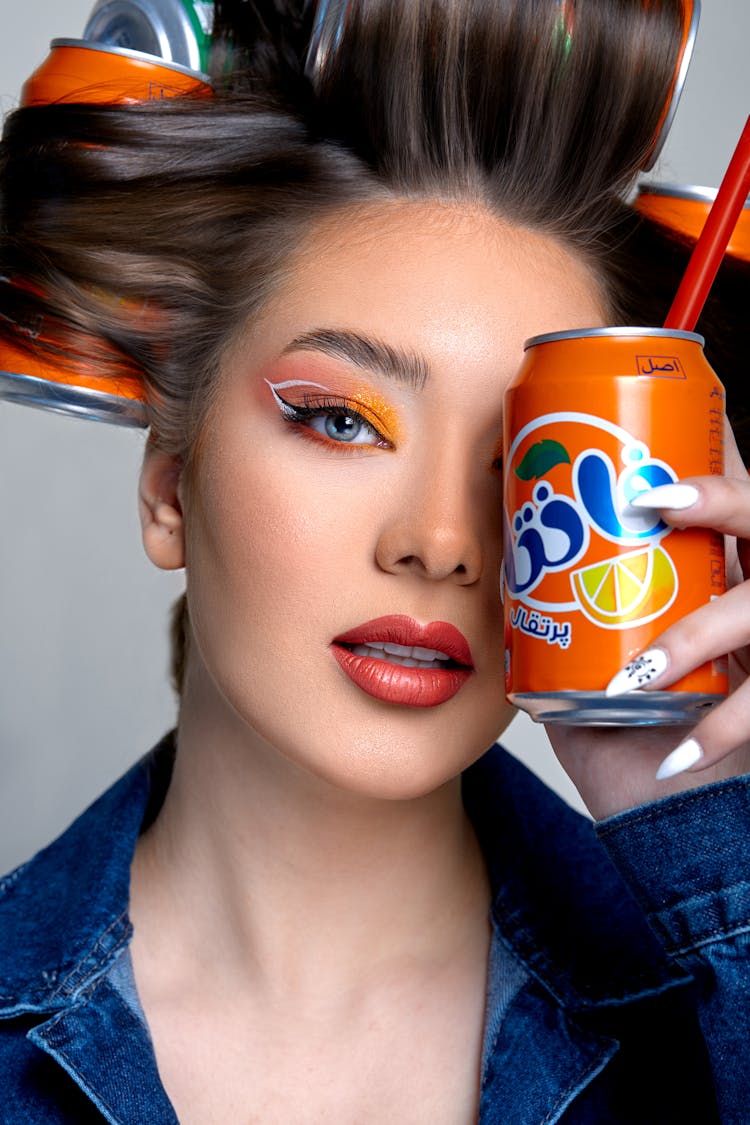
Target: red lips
[(395, 683)]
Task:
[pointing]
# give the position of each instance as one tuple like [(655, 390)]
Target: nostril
[(414, 562)]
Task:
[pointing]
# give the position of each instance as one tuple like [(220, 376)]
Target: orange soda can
[(684, 208), (77, 70), (81, 71), (593, 418)]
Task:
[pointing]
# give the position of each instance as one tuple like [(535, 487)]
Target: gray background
[(83, 616)]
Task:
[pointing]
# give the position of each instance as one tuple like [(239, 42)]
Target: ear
[(160, 510)]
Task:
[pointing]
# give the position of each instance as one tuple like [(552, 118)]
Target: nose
[(436, 530)]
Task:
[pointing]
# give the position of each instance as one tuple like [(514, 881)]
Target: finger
[(721, 503), (734, 466), (715, 737), (709, 632)]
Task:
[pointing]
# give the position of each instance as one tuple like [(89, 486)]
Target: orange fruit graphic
[(628, 589)]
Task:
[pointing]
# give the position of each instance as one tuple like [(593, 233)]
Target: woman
[(323, 898)]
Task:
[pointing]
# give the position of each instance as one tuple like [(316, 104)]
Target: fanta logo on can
[(574, 543), (592, 420)]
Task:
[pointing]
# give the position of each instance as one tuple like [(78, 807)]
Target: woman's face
[(348, 496)]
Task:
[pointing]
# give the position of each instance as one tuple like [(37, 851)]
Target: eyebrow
[(363, 351)]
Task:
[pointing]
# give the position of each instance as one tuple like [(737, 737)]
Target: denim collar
[(558, 904), (64, 913)]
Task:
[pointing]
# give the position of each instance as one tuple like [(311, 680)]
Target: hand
[(615, 768)]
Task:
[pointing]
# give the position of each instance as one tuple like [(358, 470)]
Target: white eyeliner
[(284, 407)]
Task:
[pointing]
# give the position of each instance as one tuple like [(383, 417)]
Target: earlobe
[(160, 510)]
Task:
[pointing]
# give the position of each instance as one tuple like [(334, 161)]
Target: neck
[(298, 881)]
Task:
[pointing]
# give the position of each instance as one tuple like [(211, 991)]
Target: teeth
[(407, 657), (428, 654), (415, 653)]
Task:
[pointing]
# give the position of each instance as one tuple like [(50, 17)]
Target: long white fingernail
[(685, 756), (638, 672), (676, 496)]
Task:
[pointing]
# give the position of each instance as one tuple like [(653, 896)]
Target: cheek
[(266, 536)]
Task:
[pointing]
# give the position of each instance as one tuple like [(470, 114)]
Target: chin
[(383, 766)]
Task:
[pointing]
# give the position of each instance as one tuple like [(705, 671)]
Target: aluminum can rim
[(72, 399), (140, 56), (698, 193), (679, 83), (626, 330)]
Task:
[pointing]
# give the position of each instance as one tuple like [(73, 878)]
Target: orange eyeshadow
[(376, 410), (315, 382)]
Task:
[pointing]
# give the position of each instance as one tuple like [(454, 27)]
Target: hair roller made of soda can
[(329, 27), (77, 70), (684, 209), (33, 376), (134, 65), (691, 19), (178, 31)]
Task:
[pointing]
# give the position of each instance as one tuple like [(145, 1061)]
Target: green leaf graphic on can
[(540, 458)]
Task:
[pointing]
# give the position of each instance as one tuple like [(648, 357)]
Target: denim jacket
[(619, 977)]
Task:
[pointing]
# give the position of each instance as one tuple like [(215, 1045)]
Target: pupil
[(342, 426)]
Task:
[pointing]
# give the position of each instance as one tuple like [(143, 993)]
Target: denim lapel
[(107, 1051), (600, 989), (540, 1061), (559, 903), (63, 925)]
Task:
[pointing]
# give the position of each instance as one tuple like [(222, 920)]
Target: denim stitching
[(592, 1071), (73, 1070), (695, 797), (539, 967), (712, 939), (84, 967), (79, 980), (703, 899), (9, 880)]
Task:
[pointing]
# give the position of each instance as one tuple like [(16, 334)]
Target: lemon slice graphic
[(628, 589)]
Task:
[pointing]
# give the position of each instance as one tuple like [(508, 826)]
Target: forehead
[(441, 279)]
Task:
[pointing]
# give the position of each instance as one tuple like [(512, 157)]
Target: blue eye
[(332, 420), (344, 426)]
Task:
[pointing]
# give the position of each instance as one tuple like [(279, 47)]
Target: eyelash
[(312, 407), (331, 408)]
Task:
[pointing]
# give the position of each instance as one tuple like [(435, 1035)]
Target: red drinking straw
[(714, 239)]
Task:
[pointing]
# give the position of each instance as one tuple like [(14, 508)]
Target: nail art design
[(675, 496), (638, 672), (686, 755)]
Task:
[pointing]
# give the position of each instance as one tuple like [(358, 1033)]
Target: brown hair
[(143, 237)]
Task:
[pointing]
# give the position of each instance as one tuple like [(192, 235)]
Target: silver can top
[(177, 31), (626, 330), (66, 398), (695, 192), (89, 45)]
